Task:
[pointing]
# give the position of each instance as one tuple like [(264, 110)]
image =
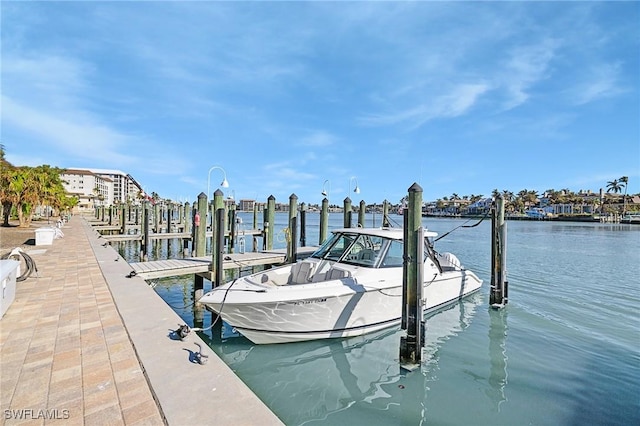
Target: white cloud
[(318, 138), (527, 65), (454, 103), (80, 138), (600, 81)]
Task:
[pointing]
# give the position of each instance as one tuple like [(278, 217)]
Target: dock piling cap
[(415, 187)]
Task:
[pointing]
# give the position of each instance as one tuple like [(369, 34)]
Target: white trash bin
[(8, 275), (44, 236)]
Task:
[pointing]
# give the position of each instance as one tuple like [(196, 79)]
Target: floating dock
[(202, 265)]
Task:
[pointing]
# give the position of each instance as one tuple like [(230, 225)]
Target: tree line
[(526, 198), (23, 188)]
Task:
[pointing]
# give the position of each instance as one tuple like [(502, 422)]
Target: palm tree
[(624, 180), (5, 179), (614, 186)]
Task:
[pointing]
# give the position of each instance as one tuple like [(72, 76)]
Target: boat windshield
[(334, 247), (364, 250)]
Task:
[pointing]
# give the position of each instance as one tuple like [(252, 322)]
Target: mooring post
[(385, 214), (361, 214), (194, 230), (293, 228), (156, 213), (265, 227), (232, 228), (412, 281), (145, 230), (347, 212), (123, 219), (324, 221), (255, 215), (218, 204), (271, 218), (200, 221), (303, 224), (255, 225), (161, 217), (210, 223), (218, 246), (499, 284), (187, 228), (185, 217)]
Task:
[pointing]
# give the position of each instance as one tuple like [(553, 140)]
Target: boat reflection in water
[(354, 380)]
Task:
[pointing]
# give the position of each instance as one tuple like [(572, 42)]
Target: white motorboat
[(350, 286)]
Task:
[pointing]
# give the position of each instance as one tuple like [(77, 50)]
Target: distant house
[(479, 207)]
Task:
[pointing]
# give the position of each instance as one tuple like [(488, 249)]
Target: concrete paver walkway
[(64, 351), (86, 344)]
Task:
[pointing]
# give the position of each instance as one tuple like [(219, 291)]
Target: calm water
[(565, 351)]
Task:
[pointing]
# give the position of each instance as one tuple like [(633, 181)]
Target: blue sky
[(461, 97)]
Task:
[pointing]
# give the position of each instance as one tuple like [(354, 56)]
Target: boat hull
[(333, 309)]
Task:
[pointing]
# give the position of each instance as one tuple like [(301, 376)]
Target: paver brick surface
[(64, 351)]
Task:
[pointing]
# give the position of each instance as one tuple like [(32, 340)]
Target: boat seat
[(448, 261), (367, 254), (337, 274), (300, 273)]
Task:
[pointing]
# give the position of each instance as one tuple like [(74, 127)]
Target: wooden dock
[(169, 235), (202, 265)]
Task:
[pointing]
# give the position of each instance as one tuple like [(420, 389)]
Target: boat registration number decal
[(307, 302)]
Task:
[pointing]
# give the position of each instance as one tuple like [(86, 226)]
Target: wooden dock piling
[(361, 213), (412, 278), (270, 223), (255, 226), (145, 230), (218, 246), (231, 245), (324, 221), (217, 242), (347, 212), (385, 214), (303, 224), (123, 219), (156, 218), (498, 297), (293, 228), (187, 227), (200, 225)]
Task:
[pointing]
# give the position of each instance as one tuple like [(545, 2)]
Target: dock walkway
[(202, 264), (75, 346)]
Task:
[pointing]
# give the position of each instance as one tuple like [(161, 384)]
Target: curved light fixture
[(356, 189), (223, 184)]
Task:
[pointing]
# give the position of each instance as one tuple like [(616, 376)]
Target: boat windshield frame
[(354, 249)]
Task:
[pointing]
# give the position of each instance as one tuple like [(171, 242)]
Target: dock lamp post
[(356, 189), (326, 193), (224, 182)]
